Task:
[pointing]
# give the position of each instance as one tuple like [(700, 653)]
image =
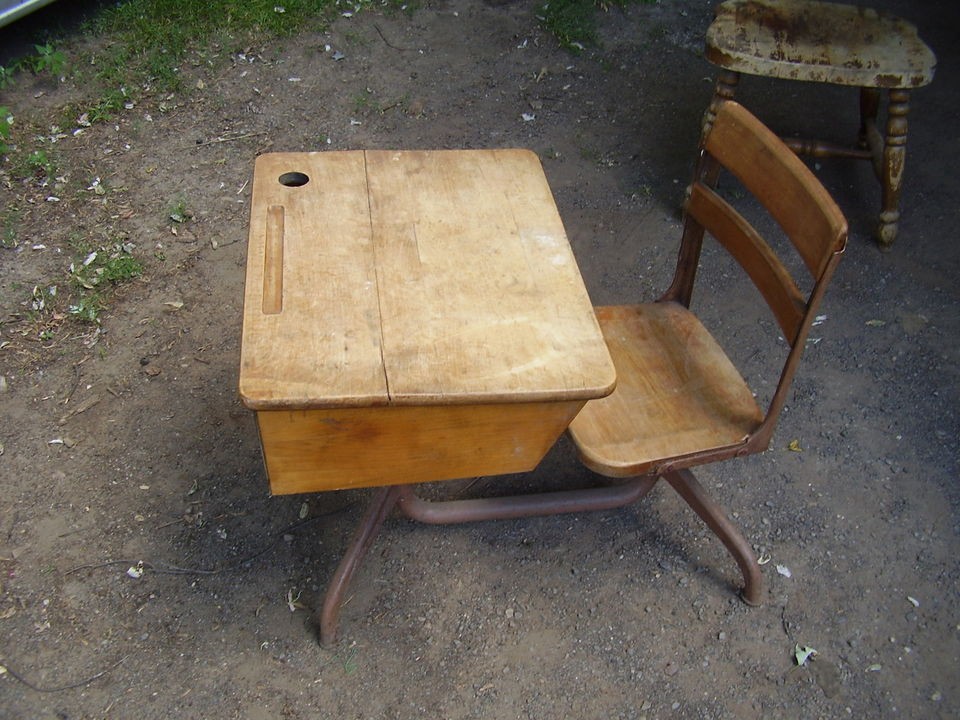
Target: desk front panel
[(333, 449)]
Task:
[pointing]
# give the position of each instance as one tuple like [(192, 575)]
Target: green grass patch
[(6, 127), (151, 38), (574, 22), (97, 272), (9, 222)]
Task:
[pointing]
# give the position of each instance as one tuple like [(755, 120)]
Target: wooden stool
[(829, 43)]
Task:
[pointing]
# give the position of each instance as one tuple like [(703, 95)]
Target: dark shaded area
[(48, 23)]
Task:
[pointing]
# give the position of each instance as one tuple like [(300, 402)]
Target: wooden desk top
[(413, 278), (820, 42)]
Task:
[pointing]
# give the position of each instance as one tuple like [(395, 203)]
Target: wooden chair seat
[(677, 394)]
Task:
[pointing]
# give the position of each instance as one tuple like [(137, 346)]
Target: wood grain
[(314, 450), (678, 393), (411, 316)]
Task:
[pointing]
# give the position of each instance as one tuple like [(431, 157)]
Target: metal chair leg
[(684, 482), (380, 507)]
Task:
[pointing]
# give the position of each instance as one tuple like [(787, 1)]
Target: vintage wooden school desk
[(412, 317)]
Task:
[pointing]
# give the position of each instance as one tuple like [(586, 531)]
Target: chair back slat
[(753, 253), (793, 196), (780, 182)]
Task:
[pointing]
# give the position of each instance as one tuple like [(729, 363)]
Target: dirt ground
[(129, 445)]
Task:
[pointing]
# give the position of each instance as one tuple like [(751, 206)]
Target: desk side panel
[(318, 450)]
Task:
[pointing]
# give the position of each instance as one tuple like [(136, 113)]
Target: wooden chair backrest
[(793, 196)]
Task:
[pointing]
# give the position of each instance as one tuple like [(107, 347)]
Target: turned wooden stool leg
[(894, 156), (725, 89)]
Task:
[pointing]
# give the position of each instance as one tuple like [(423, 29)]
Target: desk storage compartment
[(316, 450)]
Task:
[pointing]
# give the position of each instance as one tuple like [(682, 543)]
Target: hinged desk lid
[(408, 278)]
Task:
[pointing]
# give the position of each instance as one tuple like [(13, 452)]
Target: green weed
[(101, 266), (178, 211), (9, 220), (574, 22), (362, 101), (37, 165), (6, 127), (88, 308), (40, 164), (121, 267), (47, 60), (95, 274)]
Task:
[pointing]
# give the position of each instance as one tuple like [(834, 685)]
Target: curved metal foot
[(329, 615), (684, 482)]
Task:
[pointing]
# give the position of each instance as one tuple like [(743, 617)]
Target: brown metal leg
[(366, 532), (459, 511), (516, 506), (894, 156), (712, 514)]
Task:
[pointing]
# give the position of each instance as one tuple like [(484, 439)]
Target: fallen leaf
[(794, 446), (293, 601), (802, 653), (876, 323)]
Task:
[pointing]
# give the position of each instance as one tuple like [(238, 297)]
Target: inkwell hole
[(294, 179)]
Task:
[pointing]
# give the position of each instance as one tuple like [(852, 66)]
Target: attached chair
[(680, 402)]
